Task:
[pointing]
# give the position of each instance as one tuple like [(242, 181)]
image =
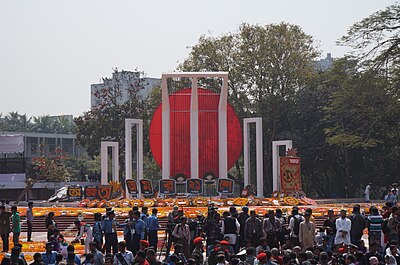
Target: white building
[(123, 80)]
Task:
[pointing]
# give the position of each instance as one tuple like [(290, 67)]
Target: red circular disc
[(208, 133)]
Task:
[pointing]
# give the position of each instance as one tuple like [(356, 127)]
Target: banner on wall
[(132, 186), (225, 186), (167, 186), (194, 186), (145, 187), (290, 174)]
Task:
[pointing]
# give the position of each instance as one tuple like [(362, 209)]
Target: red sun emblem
[(208, 133)]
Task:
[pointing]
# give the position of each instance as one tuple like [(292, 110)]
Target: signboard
[(194, 186), (290, 174), (167, 186), (132, 186), (145, 187), (90, 193), (74, 193), (104, 192), (225, 186)]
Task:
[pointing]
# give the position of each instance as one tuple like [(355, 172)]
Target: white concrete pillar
[(194, 131), (128, 151), (166, 131), (259, 154), (104, 161), (276, 185), (223, 129)]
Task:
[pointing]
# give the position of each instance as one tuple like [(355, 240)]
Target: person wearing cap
[(197, 253), (242, 255), (110, 232), (343, 227), (49, 256), (123, 257), (153, 226), (182, 234), (221, 259), (222, 249), (373, 261), (242, 218), (307, 232), (144, 244)]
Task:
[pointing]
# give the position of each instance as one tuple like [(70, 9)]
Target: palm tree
[(14, 121), (42, 124), (62, 125)]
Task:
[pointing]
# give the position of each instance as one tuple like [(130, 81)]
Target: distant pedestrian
[(29, 220), (5, 227), (367, 192), (16, 224)]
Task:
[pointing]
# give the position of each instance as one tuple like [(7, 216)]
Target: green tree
[(376, 39), (16, 122), (267, 66), (360, 117), (42, 124), (106, 122)]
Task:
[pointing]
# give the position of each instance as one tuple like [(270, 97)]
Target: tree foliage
[(267, 66), (51, 168), (375, 40), (15, 122)]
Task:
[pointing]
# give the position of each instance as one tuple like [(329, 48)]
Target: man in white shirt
[(230, 227), (343, 227), (123, 257), (367, 192)]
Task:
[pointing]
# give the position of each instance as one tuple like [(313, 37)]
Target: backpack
[(296, 226), (385, 228)]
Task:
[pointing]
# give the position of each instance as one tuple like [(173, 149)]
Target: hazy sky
[(51, 51)]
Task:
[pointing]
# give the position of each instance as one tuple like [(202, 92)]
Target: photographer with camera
[(172, 220), (181, 234), (211, 225)]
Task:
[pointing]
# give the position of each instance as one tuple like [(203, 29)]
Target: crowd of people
[(236, 237)]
